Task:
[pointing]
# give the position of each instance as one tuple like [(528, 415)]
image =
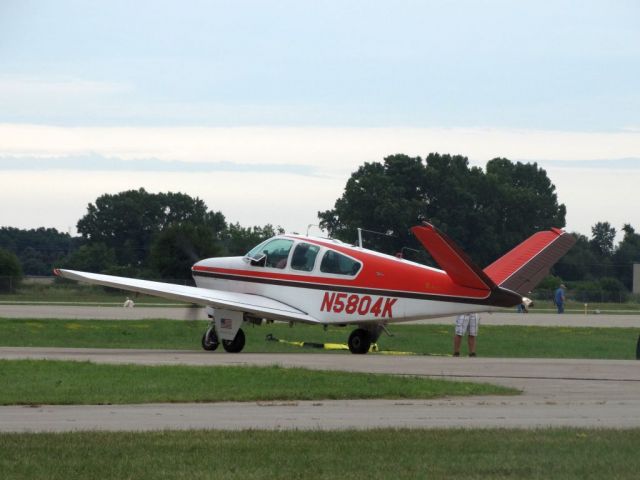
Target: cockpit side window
[(336, 263), (304, 257), (273, 254)]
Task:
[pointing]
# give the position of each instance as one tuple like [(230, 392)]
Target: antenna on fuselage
[(389, 233), (312, 225)]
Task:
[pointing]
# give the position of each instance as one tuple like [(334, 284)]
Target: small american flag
[(226, 323)]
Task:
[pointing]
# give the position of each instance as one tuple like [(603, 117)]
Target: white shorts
[(467, 322)]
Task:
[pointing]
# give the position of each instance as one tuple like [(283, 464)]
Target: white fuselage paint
[(331, 306)]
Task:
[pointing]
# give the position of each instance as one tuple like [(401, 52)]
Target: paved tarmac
[(180, 313), (579, 393)]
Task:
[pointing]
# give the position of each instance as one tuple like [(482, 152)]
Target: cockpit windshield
[(272, 253), (256, 251)]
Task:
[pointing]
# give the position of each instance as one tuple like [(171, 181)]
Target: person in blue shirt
[(559, 298)]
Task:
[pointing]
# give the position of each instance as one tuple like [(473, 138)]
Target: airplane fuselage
[(294, 278), (377, 288)]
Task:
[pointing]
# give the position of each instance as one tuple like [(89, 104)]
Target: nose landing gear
[(210, 341)]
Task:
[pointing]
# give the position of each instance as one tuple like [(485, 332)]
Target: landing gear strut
[(236, 345), (210, 341), (361, 339)]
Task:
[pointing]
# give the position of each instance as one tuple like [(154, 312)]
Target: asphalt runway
[(180, 313), (576, 393)]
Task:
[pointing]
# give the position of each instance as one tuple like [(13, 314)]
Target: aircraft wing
[(261, 307)]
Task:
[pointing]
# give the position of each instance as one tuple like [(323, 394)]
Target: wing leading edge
[(244, 302)]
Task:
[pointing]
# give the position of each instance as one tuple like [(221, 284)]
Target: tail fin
[(509, 277), (521, 269), (452, 258)]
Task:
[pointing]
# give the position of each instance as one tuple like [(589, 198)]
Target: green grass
[(29, 382), (374, 454), (493, 341)]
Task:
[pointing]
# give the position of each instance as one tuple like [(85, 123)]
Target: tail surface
[(460, 268), (452, 259), (521, 269), (508, 278)]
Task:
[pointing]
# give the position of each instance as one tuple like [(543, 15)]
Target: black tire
[(359, 341), (236, 345), (210, 340)]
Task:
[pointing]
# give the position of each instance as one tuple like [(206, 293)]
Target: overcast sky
[(263, 109)]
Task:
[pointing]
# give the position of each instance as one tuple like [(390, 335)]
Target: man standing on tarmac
[(466, 323), (559, 298)]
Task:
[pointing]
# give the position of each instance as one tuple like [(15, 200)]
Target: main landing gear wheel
[(210, 340), (359, 341), (236, 345)]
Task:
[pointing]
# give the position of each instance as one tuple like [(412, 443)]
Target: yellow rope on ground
[(343, 346)]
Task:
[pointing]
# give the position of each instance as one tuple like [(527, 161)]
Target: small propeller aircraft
[(295, 278)]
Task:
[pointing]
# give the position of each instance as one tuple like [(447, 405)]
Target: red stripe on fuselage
[(378, 272)]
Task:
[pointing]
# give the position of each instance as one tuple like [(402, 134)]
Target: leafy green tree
[(487, 213), (579, 263), (524, 202), (603, 235), (239, 240), (37, 249), (381, 197), (456, 202), (128, 221), (10, 271), (179, 246), (94, 257), (626, 254)]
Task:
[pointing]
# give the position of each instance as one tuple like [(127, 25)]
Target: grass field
[(493, 341), (373, 454), (29, 382)]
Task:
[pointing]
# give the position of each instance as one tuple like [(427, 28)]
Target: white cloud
[(334, 150), (594, 195), (24, 86), (59, 198), (28, 97)]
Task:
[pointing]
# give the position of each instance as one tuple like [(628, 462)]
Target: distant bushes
[(607, 289), (10, 271)]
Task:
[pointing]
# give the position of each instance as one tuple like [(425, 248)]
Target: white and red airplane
[(322, 281)]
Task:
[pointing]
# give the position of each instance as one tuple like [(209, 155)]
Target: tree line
[(487, 211), (133, 233)]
